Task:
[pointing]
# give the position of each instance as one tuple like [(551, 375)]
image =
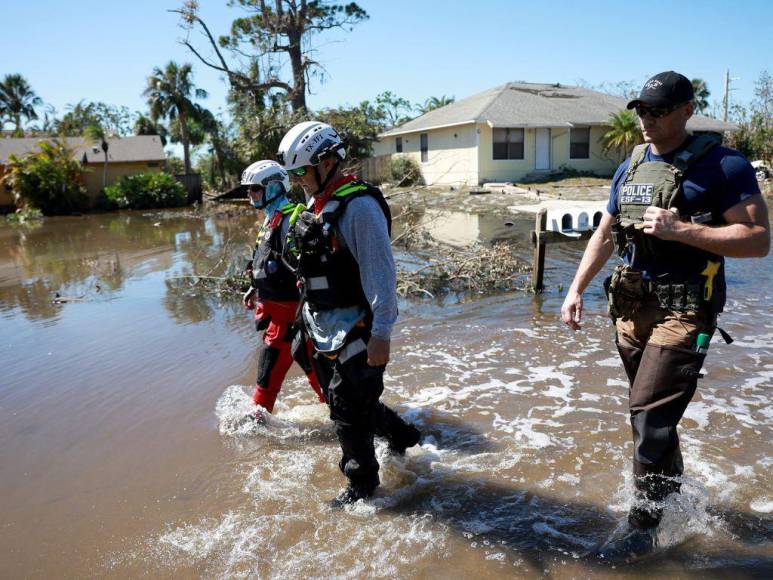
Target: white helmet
[(263, 172), (308, 143)]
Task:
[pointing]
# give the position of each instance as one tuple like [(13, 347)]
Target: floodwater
[(120, 455)]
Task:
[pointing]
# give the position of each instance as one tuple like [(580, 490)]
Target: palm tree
[(623, 133), (95, 133), (18, 100), (146, 126), (702, 93), (435, 103), (169, 93)]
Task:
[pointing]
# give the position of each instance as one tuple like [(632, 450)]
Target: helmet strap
[(331, 174)]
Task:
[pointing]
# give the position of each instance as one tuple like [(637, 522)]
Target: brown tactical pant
[(657, 349)]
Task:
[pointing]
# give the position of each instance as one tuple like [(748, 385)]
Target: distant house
[(512, 131), (125, 156)]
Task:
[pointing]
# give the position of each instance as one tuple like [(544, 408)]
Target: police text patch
[(637, 193)]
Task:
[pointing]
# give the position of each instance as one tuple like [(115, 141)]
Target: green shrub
[(146, 191), (403, 170), (48, 180), (23, 216)]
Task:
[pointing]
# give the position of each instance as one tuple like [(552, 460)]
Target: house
[(511, 131), (125, 156)]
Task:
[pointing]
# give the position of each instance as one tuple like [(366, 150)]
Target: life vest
[(327, 270), (270, 276), (660, 184)]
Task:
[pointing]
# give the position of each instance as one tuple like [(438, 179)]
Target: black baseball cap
[(666, 89)]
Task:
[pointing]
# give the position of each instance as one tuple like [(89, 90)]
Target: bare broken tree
[(267, 39)]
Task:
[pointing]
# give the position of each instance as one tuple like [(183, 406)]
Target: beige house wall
[(598, 162), (451, 159), (464, 155), (92, 176), (499, 170)]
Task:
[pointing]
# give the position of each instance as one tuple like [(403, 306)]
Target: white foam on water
[(763, 378), (699, 412), (300, 421), (613, 362), (617, 383), (523, 431), (497, 429), (685, 514), (755, 341), (763, 505)]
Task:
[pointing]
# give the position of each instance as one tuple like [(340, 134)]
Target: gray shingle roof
[(534, 105), (126, 149)]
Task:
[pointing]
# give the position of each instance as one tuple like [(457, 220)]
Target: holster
[(625, 292)]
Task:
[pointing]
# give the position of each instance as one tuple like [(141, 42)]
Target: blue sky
[(104, 50)]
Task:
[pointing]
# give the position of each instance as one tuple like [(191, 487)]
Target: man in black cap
[(677, 208)]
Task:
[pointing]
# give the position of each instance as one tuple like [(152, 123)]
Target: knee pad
[(266, 361)]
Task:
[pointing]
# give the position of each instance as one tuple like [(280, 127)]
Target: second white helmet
[(308, 143), (263, 172)]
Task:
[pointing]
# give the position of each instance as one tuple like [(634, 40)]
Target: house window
[(424, 147), (508, 143), (399, 145), (579, 143)]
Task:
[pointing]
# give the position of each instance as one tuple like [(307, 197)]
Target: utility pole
[(726, 99), (727, 94)]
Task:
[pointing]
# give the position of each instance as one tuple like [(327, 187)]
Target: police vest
[(327, 270), (659, 184), (270, 276)]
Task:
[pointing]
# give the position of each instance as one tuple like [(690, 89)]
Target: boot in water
[(350, 495), (632, 545)]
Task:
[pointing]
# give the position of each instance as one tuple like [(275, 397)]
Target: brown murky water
[(119, 458)]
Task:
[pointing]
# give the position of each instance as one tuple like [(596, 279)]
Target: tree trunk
[(186, 142), (298, 94), (104, 169)]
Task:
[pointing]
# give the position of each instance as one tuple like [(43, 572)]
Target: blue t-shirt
[(719, 180)]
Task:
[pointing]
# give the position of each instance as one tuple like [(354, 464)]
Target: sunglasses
[(656, 112), (255, 188), (298, 171)]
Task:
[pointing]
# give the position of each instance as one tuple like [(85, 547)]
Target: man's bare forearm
[(600, 248), (745, 240)]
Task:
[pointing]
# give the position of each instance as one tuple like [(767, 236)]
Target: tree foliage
[(48, 180), (623, 133), (433, 103), (17, 100), (702, 94), (113, 119), (754, 137), (170, 93), (261, 43), (144, 125), (391, 110)]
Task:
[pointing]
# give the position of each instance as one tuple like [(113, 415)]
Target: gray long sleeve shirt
[(363, 230)]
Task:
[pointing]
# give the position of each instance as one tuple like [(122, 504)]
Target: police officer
[(273, 292), (677, 208), (348, 283)]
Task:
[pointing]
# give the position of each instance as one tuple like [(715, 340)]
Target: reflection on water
[(120, 457)]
